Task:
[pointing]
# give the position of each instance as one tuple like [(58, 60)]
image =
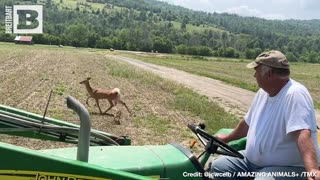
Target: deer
[(113, 95)]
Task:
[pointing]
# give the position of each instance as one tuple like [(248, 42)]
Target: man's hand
[(316, 172), (239, 132), (307, 151), (223, 137)]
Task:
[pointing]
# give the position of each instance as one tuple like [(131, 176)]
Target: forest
[(150, 25)]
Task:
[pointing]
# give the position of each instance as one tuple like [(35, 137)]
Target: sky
[(268, 9)]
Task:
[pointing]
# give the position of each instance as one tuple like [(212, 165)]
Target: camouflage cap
[(274, 59)]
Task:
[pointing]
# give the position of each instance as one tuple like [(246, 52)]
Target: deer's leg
[(111, 106), (97, 101), (87, 100), (123, 103)]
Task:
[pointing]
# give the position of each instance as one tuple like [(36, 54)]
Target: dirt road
[(233, 99)]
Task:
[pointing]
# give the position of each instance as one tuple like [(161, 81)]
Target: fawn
[(113, 96)]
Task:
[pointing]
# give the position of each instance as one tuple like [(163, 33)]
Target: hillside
[(146, 25)]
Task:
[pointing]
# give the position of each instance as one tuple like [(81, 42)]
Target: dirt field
[(28, 73)]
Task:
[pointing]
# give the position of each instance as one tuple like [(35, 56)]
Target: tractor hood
[(171, 160)]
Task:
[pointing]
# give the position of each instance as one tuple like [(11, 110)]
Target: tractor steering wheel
[(206, 138)]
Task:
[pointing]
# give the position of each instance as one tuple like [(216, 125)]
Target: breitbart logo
[(24, 19)]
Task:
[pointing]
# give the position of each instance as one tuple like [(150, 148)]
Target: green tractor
[(98, 155)]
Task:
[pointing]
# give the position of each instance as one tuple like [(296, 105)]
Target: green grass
[(159, 125), (214, 116), (67, 3), (73, 5), (190, 27), (234, 71)]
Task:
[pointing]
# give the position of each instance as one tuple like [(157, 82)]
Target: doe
[(113, 96)]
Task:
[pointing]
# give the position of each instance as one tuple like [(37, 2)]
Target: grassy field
[(73, 4), (234, 71), (161, 108), (190, 27)]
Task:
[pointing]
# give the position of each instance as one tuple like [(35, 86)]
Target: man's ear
[(270, 74)]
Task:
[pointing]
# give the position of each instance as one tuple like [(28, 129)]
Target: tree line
[(149, 25)]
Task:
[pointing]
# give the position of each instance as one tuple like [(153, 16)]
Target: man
[(280, 127)]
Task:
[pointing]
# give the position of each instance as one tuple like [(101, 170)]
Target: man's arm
[(307, 151), (240, 131)]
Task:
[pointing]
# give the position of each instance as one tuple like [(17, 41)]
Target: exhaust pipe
[(85, 128)]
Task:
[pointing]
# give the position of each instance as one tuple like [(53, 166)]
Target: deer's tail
[(116, 91)]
